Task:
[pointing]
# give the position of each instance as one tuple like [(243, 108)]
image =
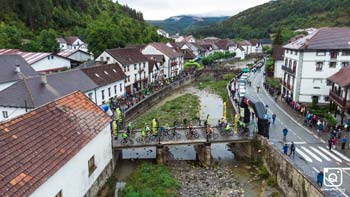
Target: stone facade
[(101, 180)]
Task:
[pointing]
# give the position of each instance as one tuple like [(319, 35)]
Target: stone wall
[(101, 180), (290, 179)]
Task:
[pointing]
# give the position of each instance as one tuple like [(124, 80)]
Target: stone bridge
[(217, 72)]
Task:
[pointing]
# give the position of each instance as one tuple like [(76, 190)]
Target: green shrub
[(263, 173), (271, 181)]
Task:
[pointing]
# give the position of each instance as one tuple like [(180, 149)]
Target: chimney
[(18, 69), (43, 78)]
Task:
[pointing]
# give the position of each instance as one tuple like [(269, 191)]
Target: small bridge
[(217, 72), (182, 139)]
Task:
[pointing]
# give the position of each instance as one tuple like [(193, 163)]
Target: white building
[(240, 53), (163, 33), (65, 158), (174, 60), (45, 62), (72, 42), (133, 63), (310, 60), (256, 46), (99, 83), (76, 54), (278, 59), (247, 46), (156, 67)]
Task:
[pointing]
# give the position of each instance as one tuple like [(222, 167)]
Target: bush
[(273, 82), (271, 181), (330, 119), (263, 173)]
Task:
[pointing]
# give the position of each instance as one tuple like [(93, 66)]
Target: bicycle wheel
[(215, 136), (196, 135), (178, 136), (123, 142), (139, 139)]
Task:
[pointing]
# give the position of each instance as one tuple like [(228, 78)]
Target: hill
[(184, 23), (260, 21), (33, 25)]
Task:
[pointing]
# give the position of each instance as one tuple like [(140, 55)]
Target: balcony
[(173, 63), (285, 84), (289, 70), (340, 101)]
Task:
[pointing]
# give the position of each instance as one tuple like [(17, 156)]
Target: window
[(59, 194), (329, 83), (334, 54), (135, 66), (332, 64), (120, 87), (5, 114), (91, 165), (320, 53), (129, 78), (296, 52), (115, 89), (135, 77), (346, 53), (326, 98), (102, 59), (144, 65), (90, 96), (128, 68), (109, 92), (319, 66), (345, 64), (103, 94), (107, 59)]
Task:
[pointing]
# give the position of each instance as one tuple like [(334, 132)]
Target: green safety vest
[(228, 127), (124, 135), (154, 123), (115, 126)]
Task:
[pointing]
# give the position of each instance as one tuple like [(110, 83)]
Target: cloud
[(161, 9)]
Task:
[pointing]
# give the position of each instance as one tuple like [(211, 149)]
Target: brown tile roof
[(188, 54), (71, 39), (139, 47), (278, 52), (157, 58), (342, 77), (170, 52), (244, 43), (224, 44), (127, 56), (105, 74), (34, 146)]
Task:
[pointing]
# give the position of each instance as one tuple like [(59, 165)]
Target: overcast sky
[(162, 9)]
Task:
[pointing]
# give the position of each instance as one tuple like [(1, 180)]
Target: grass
[(183, 107), (150, 180), (217, 87)]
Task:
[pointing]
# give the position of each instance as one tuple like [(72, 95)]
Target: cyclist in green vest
[(115, 129)]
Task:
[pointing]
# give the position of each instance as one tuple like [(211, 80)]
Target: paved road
[(312, 153)]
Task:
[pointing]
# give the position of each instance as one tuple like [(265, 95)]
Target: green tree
[(47, 40), (278, 40)]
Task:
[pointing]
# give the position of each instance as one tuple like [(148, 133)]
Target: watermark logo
[(333, 177)]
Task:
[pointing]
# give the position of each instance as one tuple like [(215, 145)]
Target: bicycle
[(146, 139), (126, 141), (172, 134), (192, 134)]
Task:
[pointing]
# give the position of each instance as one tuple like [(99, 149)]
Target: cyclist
[(147, 130), (125, 137), (228, 128), (129, 128), (191, 129), (143, 135)]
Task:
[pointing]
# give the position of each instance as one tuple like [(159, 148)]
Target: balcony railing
[(342, 102), (289, 70), (173, 63), (286, 84)]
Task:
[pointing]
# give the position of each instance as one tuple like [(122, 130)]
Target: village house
[(256, 46), (240, 53), (13, 68), (64, 149), (246, 45), (310, 60), (99, 83), (156, 67), (174, 60), (278, 61), (72, 42), (225, 45), (133, 63), (340, 92), (266, 42), (41, 62), (76, 54), (163, 33)]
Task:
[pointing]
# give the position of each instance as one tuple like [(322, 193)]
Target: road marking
[(301, 153), (329, 153), (312, 154), (323, 141), (341, 155), (320, 153)]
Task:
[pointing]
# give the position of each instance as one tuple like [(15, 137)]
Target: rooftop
[(8, 68), (163, 48), (342, 77), (34, 146), (127, 56), (105, 74)]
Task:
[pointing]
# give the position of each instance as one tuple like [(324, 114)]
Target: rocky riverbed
[(203, 181)]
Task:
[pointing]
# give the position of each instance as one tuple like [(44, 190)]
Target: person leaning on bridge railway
[(154, 126), (206, 123), (115, 129)]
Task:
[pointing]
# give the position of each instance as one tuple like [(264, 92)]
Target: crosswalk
[(320, 154)]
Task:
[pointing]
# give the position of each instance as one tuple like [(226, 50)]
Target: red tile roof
[(37, 144), (127, 56), (342, 77)]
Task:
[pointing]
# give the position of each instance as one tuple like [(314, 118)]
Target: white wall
[(73, 178), (5, 85), (12, 112), (48, 63), (63, 46), (98, 91), (79, 44), (278, 72), (80, 56), (150, 50), (106, 57)]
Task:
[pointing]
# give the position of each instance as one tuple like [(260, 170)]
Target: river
[(224, 159)]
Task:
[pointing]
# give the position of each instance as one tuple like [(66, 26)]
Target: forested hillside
[(33, 25), (260, 21), (183, 24)]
